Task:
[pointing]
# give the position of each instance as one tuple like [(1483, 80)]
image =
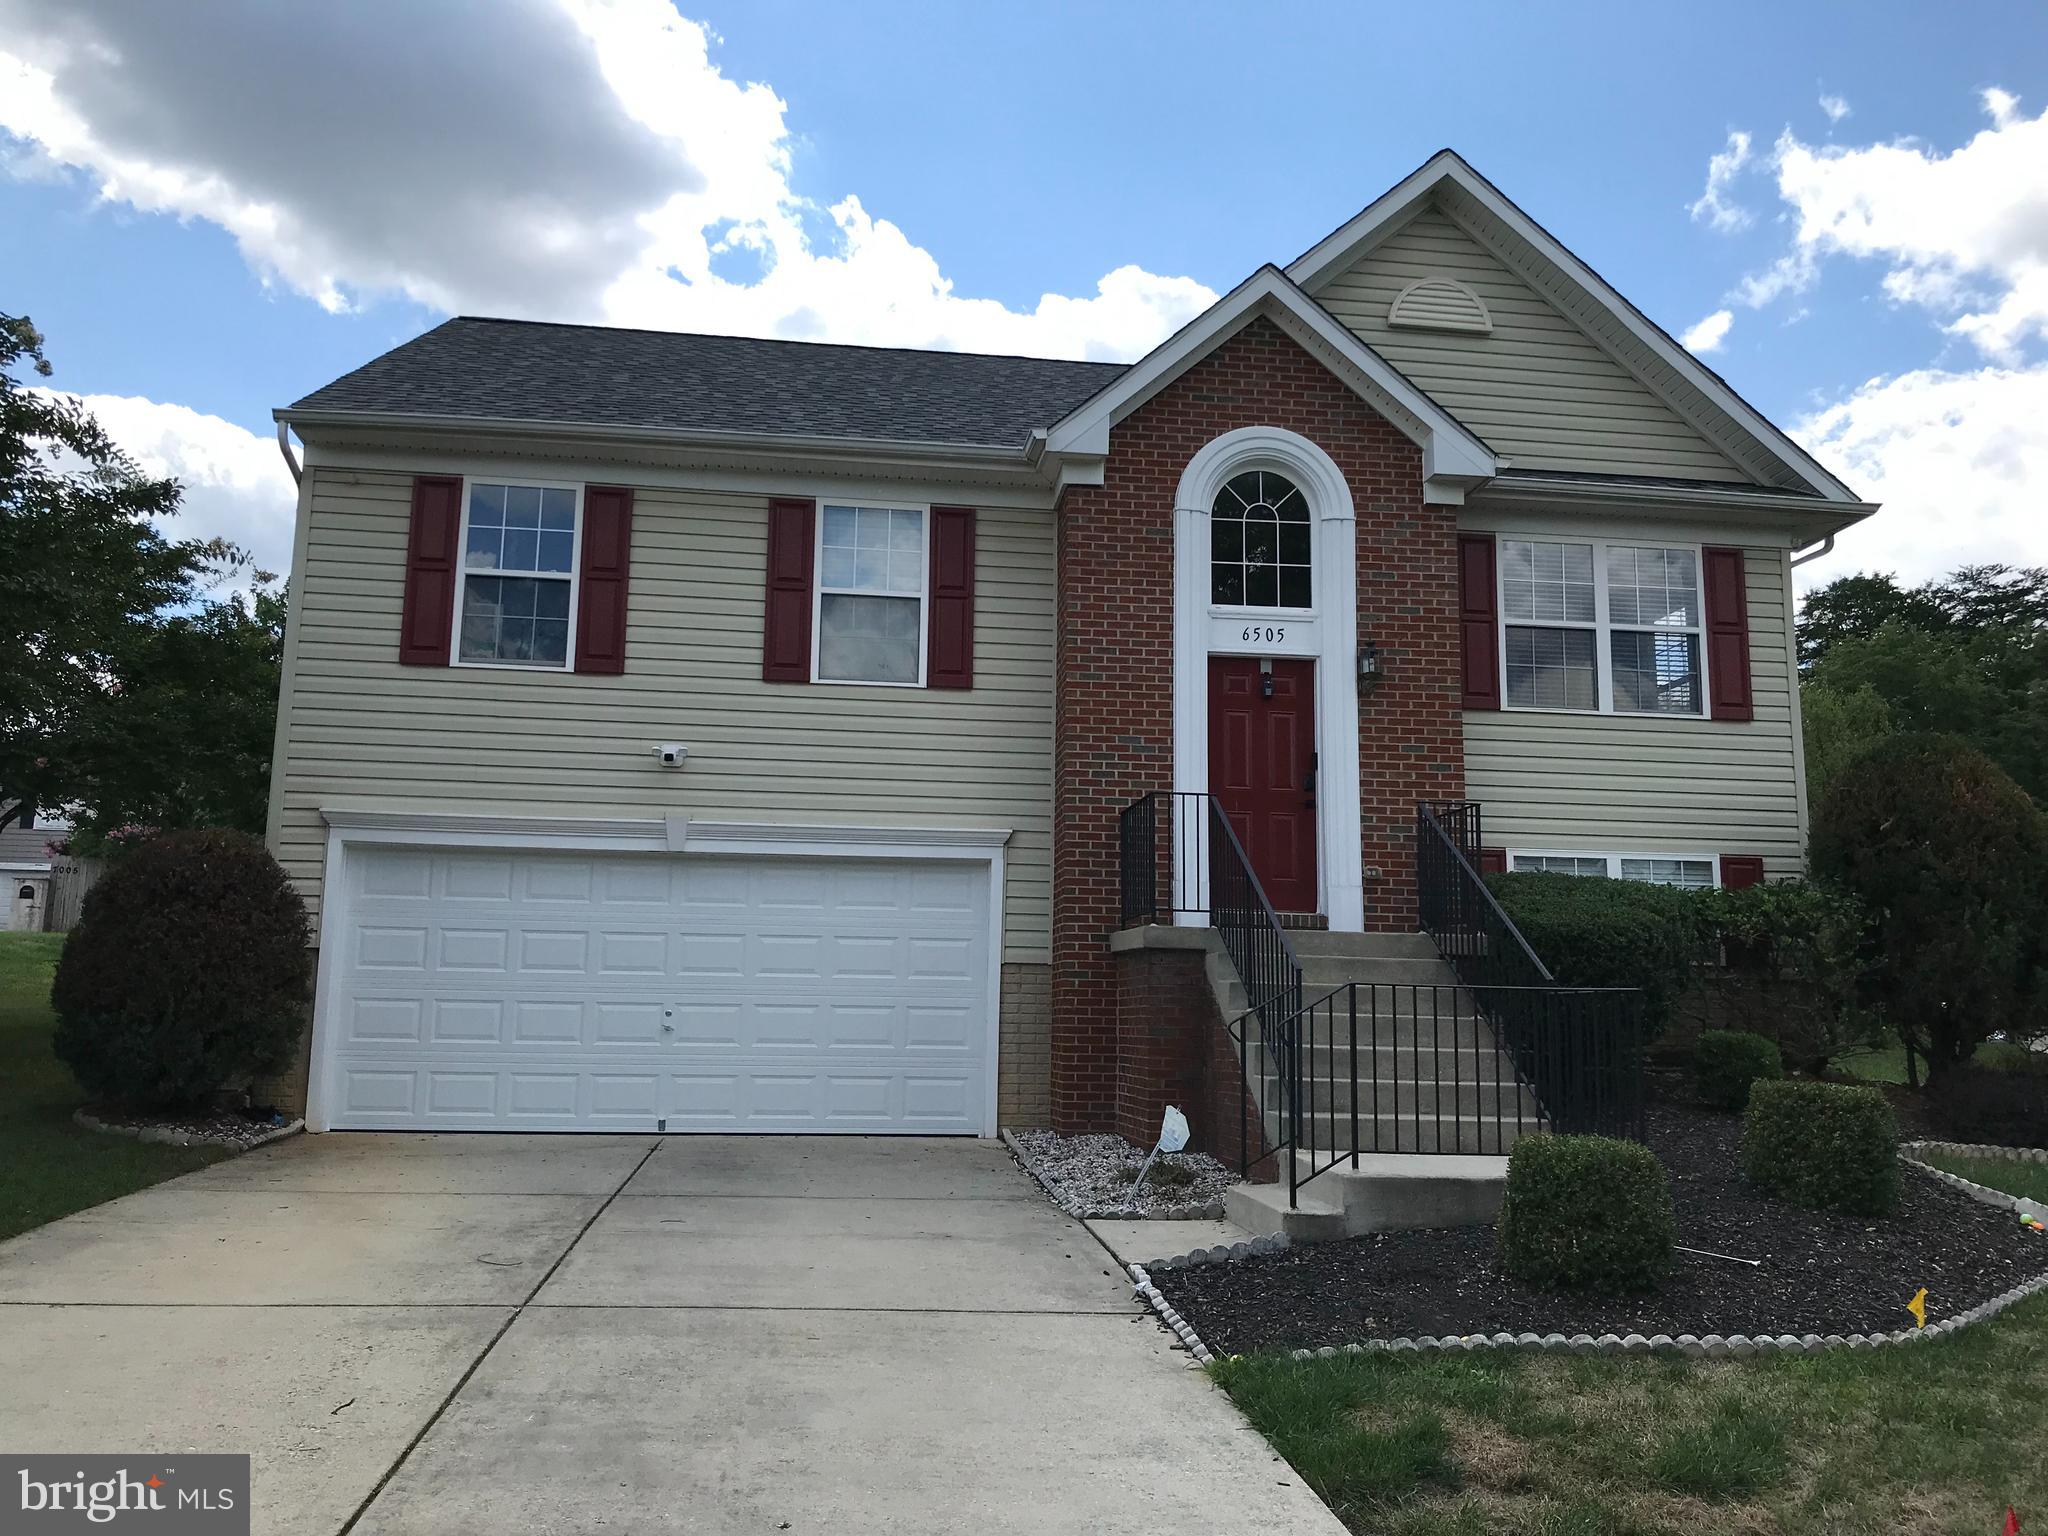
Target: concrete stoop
[(1384, 1192)]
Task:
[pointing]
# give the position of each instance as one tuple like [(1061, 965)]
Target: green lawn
[(2029, 1179), (1935, 1439), (1887, 1064), (49, 1166)]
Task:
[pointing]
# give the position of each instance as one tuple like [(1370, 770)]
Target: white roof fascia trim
[(1342, 246), (1450, 452), (1801, 512), (524, 428)]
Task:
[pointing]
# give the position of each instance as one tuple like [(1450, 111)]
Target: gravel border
[(1084, 1209), (181, 1136), (1736, 1346)]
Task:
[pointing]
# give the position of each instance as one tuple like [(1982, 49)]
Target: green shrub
[(1823, 1145), (1726, 1061), (1998, 1106), (1595, 932), (188, 972), (1949, 857), (1586, 1213)]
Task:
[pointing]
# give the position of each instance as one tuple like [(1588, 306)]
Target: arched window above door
[(1261, 543)]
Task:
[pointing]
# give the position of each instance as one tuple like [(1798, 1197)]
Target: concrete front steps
[(1429, 1076), (1385, 1192)]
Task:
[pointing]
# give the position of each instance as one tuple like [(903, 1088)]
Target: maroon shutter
[(786, 633), (430, 558), (1739, 871), (1493, 861), (1478, 622), (601, 600), (949, 662), (1728, 634)]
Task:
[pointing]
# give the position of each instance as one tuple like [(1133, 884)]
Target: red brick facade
[(1113, 713)]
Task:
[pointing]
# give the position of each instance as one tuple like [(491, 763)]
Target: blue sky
[(211, 214)]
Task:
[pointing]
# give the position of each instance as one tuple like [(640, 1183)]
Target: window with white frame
[(1261, 542), (1694, 873), (871, 595), (518, 590), (1601, 626)]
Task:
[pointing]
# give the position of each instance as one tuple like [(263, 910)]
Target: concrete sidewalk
[(445, 1334)]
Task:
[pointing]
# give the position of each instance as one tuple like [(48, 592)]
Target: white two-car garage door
[(544, 991)]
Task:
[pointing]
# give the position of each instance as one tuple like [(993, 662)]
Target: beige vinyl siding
[(365, 732), (1582, 783), (1538, 389)]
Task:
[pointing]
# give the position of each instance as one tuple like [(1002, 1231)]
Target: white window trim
[(463, 573), (1248, 611), (924, 592), (1613, 859), (1602, 626), (1333, 633)]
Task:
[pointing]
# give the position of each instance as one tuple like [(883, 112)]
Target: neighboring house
[(25, 872), (720, 734)]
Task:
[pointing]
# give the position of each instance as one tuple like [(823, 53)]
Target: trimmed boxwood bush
[(1586, 1213), (188, 972), (2005, 1107), (1823, 1145), (1595, 932), (1726, 1061)]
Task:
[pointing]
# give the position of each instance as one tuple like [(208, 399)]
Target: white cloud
[(1712, 205), (1836, 107), (1964, 233), (1707, 334), (1959, 461), (236, 486), (575, 159)]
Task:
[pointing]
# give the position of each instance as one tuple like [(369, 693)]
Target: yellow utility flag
[(1918, 1307)]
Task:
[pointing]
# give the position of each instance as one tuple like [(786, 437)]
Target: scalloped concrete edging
[(170, 1138), (1737, 1346), (1909, 1153), (1173, 1320), (1213, 1211)]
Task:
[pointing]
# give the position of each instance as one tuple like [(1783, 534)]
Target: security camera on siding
[(672, 754)]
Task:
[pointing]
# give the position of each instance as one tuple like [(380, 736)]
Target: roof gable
[(1453, 457), (1522, 250), (1531, 382)]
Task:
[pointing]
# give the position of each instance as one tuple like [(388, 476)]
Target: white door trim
[(1339, 852), (680, 836)]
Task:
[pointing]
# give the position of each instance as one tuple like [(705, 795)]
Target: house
[(25, 871), (704, 733)]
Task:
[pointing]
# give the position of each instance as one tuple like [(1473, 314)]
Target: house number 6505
[(1272, 634)]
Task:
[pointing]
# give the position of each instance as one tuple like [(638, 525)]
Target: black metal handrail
[(1584, 1083), (1377, 1067), (1456, 909)]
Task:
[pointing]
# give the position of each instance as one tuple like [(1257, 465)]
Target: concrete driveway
[(447, 1334)]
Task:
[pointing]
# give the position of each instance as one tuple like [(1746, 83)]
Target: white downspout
[(284, 446)]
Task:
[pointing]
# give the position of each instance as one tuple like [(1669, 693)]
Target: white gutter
[(284, 446), (526, 428)]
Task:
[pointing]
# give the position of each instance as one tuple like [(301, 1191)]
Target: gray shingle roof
[(595, 375)]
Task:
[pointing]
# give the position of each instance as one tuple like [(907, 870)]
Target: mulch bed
[(1822, 1273)]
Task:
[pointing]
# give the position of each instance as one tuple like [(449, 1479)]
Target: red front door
[(1262, 760)]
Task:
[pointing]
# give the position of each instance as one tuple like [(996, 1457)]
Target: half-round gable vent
[(1439, 304)]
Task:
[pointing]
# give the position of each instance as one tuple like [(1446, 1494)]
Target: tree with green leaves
[(1965, 656), (1949, 860), (106, 632)]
